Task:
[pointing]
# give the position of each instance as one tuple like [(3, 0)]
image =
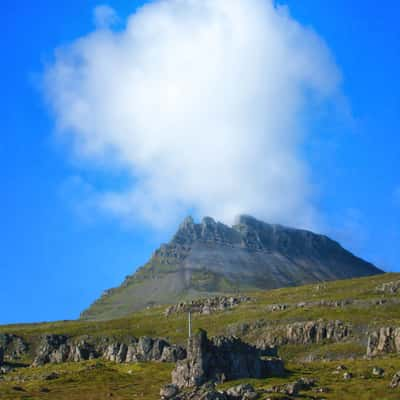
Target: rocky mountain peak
[(210, 257)]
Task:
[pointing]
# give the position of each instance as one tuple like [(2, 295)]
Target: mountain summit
[(212, 258)]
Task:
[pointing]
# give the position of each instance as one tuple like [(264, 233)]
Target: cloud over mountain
[(201, 103)]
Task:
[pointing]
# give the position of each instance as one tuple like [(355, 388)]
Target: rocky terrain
[(60, 348), (210, 259), (332, 340), (207, 305)]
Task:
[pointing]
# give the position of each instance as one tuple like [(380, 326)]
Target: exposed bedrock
[(308, 332), (14, 347), (61, 348), (389, 287), (207, 305), (384, 340)]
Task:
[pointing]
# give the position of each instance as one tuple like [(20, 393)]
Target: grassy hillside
[(142, 290), (97, 379)]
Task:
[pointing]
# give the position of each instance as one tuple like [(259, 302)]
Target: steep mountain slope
[(212, 258)]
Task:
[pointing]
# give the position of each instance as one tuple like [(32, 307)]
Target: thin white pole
[(190, 324)]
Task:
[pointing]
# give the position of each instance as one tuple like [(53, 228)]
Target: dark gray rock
[(347, 376), (379, 372), (51, 376), (221, 359), (1, 355), (169, 392), (5, 369)]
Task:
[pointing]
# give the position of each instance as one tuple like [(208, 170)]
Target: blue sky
[(56, 258)]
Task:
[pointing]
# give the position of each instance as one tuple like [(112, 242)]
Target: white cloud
[(104, 16), (201, 102)]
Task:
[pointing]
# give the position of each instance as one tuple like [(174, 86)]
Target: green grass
[(363, 386), (98, 380), (88, 380)]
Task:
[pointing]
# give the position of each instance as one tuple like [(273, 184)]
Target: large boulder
[(169, 392), (220, 359)]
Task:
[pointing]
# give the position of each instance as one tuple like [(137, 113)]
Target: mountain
[(213, 258)]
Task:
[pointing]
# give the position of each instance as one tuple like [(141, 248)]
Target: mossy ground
[(97, 380), (363, 385), (90, 380)]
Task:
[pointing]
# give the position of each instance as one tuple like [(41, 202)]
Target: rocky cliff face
[(60, 348), (212, 258), (384, 340)]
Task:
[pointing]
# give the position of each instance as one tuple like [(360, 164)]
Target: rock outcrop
[(221, 359), (317, 332), (1, 355), (310, 332), (61, 348), (208, 305), (384, 340), (14, 347), (333, 304), (389, 287)]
